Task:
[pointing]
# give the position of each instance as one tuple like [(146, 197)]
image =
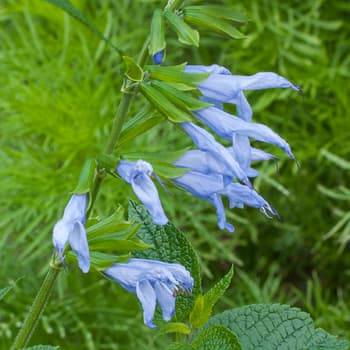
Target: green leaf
[(274, 326), (216, 25), (157, 42), (42, 347), (101, 261), (4, 291), (86, 178), (174, 327), (68, 7), (180, 99), (107, 161), (218, 11), (140, 123), (216, 338), (165, 106), (105, 244), (133, 71), (180, 346), (170, 245), (175, 74), (204, 304), (185, 33), (114, 223), (170, 156)]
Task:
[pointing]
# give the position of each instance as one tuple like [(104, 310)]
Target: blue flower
[(206, 142), (227, 126), (153, 281), (208, 187), (71, 229), (139, 176), (158, 57)]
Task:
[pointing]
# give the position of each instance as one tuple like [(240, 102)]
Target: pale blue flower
[(208, 187), (158, 57), (139, 174), (153, 281), (227, 125), (206, 142), (70, 229), (240, 195)]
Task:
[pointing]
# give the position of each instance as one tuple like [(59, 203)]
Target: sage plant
[(166, 273)]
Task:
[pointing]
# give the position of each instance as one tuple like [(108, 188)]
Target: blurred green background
[(59, 89)]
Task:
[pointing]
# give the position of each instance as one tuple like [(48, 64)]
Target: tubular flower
[(71, 229), (139, 176), (153, 281)]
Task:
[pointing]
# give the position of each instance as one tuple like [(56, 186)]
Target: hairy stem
[(36, 310)]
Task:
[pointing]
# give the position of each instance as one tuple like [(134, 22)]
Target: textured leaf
[(68, 7), (185, 33), (170, 245), (204, 304), (216, 338), (274, 326)]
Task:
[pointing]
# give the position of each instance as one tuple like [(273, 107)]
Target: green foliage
[(42, 347), (170, 245), (204, 304), (4, 291), (264, 326)]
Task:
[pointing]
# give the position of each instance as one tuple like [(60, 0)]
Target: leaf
[(180, 99), (225, 12), (4, 291), (180, 346), (165, 106), (133, 71), (105, 244), (174, 327), (157, 42), (204, 304), (68, 7), (86, 177), (216, 338), (101, 261), (175, 74), (185, 33), (216, 25), (170, 245), (274, 326), (43, 347)]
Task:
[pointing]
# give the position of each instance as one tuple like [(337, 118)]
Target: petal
[(60, 235), (147, 298), (220, 212), (225, 125), (125, 170), (244, 110), (165, 299), (76, 208), (206, 142), (147, 193), (78, 242), (158, 57), (258, 155)]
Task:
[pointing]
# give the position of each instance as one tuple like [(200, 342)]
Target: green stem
[(36, 310)]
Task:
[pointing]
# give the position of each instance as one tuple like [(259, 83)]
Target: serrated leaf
[(214, 24), (218, 11), (175, 74), (274, 326), (170, 245), (101, 261), (69, 8), (165, 106), (86, 177), (42, 347), (140, 123), (4, 291), (185, 33), (174, 327), (204, 304), (181, 99), (216, 338), (114, 223), (133, 71), (157, 41)]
